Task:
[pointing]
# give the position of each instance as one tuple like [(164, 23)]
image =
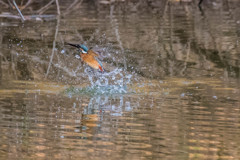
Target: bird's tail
[(101, 69)]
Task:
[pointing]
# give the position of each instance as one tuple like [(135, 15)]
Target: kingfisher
[(88, 56)]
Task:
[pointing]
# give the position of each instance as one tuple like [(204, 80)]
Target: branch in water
[(58, 7)]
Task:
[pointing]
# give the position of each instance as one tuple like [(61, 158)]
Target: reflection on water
[(176, 118), (171, 90)]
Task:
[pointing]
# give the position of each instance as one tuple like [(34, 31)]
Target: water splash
[(108, 83)]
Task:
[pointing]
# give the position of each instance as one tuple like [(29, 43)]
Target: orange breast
[(90, 60)]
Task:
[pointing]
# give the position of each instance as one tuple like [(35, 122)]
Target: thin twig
[(3, 3), (29, 17), (75, 4), (53, 48), (27, 4), (10, 3), (58, 7), (22, 17), (10, 16), (40, 11), (115, 26)]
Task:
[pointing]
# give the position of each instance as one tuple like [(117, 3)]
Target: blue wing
[(99, 62)]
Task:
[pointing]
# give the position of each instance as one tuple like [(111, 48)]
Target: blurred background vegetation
[(151, 38)]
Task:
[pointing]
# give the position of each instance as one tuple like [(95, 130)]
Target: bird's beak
[(74, 45)]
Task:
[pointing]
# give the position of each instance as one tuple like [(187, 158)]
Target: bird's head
[(82, 47)]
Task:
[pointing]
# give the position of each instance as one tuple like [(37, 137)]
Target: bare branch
[(58, 7), (27, 4), (54, 45), (20, 13), (43, 9), (116, 30), (75, 4), (3, 3), (10, 3), (29, 17), (10, 16)]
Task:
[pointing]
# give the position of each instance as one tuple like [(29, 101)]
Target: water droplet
[(77, 56)]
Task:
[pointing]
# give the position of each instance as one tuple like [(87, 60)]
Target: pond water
[(170, 90)]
